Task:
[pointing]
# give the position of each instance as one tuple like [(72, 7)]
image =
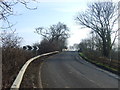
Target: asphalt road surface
[(68, 70)]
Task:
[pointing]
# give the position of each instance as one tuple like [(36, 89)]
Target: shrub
[(12, 61)]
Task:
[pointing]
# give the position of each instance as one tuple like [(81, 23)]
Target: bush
[(12, 61)]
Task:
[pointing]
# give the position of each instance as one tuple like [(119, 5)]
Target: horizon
[(49, 12)]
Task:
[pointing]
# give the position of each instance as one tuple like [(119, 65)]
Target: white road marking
[(17, 82), (107, 72)]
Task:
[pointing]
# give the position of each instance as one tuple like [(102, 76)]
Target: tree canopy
[(56, 34), (101, 18)]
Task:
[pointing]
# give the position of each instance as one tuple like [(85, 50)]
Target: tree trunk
[(104, 51), (106, 46)]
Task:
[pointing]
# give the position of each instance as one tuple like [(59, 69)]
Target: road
[(68, 70)]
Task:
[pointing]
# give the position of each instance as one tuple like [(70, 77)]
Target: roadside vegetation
[(13, 57), (101, 47), (54, 38), (102, 62)]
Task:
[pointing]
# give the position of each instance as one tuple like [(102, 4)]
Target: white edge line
[(40, 76), (105, 71), (17, 82)]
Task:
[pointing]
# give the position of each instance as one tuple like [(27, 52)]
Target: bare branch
[(101, 18), (7, 9)]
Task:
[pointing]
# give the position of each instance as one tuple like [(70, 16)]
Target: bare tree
[(7, 9), (10, 39), (96, 42), (101, 18), (56, 34)]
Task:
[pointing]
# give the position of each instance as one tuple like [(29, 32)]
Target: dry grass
[(112, 63)]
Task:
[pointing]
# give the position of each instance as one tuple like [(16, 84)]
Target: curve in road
[(68, 70)]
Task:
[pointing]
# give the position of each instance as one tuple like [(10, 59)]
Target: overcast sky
[(49, 12)]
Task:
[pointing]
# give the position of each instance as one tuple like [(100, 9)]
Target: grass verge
[(101, 65)]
